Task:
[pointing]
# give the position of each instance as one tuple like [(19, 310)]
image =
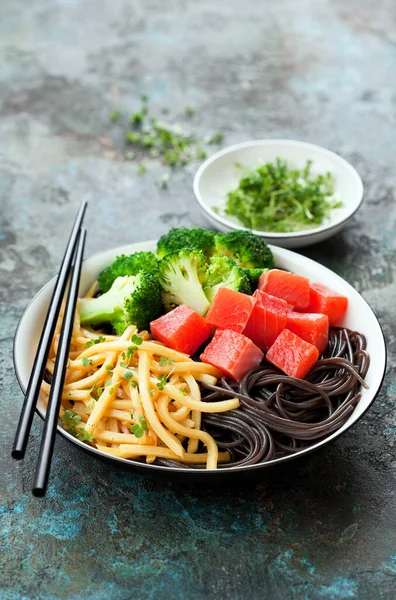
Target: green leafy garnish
[(96, 392), (128, 375), (138, 429), (190, 112), (109, 367), (163, 361), (183, 391), (216, 138), (277, 198), (94, 341), (108, 382), (86, 361), (111, 390), (162, 381), (131, 351), (141, 168), (154, 138), (115, 115), (136, 339), (70, 422)]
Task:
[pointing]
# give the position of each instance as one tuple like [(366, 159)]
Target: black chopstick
[(36, 376), (58, 378)]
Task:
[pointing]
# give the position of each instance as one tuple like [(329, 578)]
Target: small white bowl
[(359, 317), (219, 174)]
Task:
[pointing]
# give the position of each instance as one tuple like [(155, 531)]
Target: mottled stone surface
[(315, 70)]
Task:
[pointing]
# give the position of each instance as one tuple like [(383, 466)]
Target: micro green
[(70, 422), (94, 341), (155, 139), (127, 375), (86, 361), (138, 429), (164, 360), (275, 197), (162, 381)]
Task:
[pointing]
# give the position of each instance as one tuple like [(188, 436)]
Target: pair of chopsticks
[(70, 270)]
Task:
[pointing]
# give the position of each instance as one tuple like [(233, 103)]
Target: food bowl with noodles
[(137, 398)]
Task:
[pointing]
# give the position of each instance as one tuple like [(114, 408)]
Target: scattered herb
[(123, 365), (162, 381), (136, 339), (154, 138), (133, 384), (84, 436), (216, 138), (141, 168), (183, 391), (163, 361), (277, 198), (108, 382), (163, 181), (115, 115), (111, 390), (123, 355), (70, 422), (151, 392), (138, 429), (94, 341), (128, 375), (86, 361), (96, 392), (109, 368)]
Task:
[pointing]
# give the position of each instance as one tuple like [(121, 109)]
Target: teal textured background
[(316, 70)]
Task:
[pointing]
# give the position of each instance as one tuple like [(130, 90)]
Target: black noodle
[(280, 415)]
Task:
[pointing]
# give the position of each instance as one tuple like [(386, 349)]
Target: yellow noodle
[(176, 427), (209, 407), (167, 438), (127, 451), (195, 414)]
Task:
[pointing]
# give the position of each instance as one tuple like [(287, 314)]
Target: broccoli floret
[(128, 264), (254, 275), (130, 300), (248, 250), (224, 272), (181, 238), (181, 275)]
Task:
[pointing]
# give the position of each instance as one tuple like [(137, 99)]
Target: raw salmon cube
[(230, 310), (232, 352), (267, 320), (182, 329), (288, 286), (292, 355), (311, 327), (326, 301)]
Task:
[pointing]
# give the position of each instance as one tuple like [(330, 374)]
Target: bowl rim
[(133, 464), (271, 234)]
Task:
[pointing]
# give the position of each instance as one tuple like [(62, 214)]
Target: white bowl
[(219, 174), (359, 317)]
